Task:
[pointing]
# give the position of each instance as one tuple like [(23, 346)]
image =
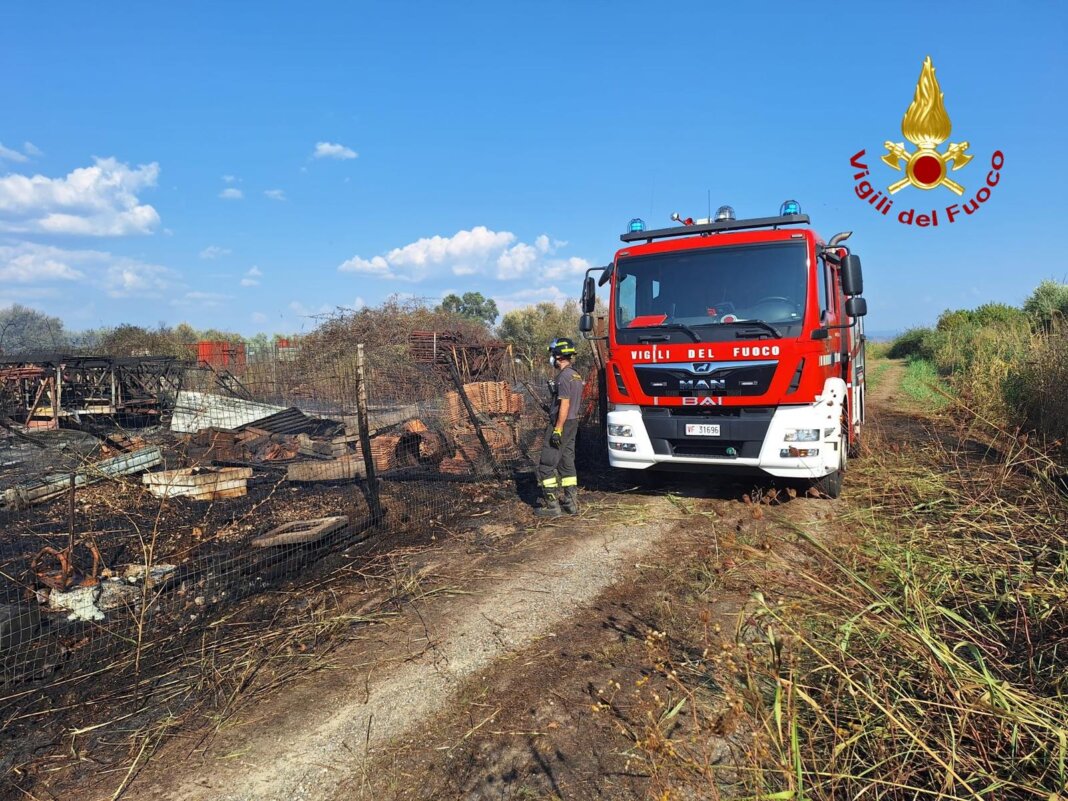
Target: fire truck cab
[(733, 345)]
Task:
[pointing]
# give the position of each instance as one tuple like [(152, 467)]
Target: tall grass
[(916, 651), (929, 664), (922, 384), (1008, 365)]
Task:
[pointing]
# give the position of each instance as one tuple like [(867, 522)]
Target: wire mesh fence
[(140, 549)]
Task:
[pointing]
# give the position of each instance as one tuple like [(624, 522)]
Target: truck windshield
[(712, 292)]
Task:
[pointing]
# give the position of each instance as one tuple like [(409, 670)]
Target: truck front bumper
[(757, 439)]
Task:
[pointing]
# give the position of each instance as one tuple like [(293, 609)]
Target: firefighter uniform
[(556, 464)]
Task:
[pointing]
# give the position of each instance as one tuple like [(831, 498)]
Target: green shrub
[(919, 342), (1049, 301)]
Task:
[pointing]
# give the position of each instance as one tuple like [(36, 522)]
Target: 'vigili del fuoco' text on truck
[(732, 345)]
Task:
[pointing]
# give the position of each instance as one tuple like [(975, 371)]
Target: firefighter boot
[(569, 501), (550, 507)]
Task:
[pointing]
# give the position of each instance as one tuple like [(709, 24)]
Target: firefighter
[(556, 466)]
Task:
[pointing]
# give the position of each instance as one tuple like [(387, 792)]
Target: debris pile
[(51, 486), (199, 483)]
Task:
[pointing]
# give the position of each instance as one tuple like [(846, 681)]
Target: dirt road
[(483, 688), (315, 737)]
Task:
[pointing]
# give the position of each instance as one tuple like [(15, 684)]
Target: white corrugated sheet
[(194, 411)]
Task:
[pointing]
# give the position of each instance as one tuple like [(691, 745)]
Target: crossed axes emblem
[(896, 153)]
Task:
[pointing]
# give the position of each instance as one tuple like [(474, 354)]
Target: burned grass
[(89, 701), (905, 643)]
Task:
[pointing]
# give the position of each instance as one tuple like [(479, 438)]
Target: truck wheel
[(830, 485)]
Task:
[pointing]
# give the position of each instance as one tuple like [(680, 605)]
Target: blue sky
[(246, 165)]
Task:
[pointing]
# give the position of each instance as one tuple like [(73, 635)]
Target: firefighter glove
[(556, 438)]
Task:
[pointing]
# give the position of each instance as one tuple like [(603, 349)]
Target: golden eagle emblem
[(926, 125)]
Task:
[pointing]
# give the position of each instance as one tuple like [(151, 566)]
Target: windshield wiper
[(668, 327), (759, 324)]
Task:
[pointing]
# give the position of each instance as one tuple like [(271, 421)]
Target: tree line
[(26, 331)]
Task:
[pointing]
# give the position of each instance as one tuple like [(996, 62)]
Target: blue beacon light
[(789, 207), (636, 225)]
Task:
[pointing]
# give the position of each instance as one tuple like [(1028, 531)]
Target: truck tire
[(830, 485)]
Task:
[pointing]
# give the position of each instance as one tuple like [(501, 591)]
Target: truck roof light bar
[(715, 227)]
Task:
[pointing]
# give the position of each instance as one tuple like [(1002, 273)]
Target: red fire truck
[(733, 345)]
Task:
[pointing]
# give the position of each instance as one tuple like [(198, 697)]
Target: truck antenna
[(709, 205)]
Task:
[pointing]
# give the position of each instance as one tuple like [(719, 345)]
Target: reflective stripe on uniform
[(551, 482), (569, 481)]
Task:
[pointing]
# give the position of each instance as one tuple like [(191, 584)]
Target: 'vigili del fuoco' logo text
[(926, 125)]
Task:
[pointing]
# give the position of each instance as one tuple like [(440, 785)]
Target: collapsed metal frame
[(39, 390)]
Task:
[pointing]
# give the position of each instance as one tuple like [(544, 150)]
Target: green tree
[(529, 331), (24, 330), (473, 306)]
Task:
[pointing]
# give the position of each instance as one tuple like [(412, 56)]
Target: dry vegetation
[(916, 651)]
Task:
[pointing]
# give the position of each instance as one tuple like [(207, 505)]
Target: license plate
[(702, 430)]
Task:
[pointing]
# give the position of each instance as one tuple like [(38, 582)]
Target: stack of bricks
[(501, 441), (488, 398)]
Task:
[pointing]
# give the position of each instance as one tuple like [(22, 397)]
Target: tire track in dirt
[(355, 718)]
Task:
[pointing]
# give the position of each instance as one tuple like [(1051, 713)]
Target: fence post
[(365, 436)]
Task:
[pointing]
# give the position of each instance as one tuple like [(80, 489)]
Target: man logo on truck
[(702, 384)]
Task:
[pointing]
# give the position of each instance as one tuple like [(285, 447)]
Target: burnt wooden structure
[(40, 390), (475, 361)]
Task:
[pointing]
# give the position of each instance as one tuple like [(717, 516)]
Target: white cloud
[(275, 194), (252, 277), (129, 277), (119, 276), (26, 262), (30, 149), (230, 193), (529, 297), (214, 252), (332, 150), (259, 317), (478, 251), (230, 179), (11, 155), (100, 200), (572, 267), (516, 260)]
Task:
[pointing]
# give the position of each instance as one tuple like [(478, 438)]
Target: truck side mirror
[(852, 277), (856, 307), (589, 295), (586, 323)]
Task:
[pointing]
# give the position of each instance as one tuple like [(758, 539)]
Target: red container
[(222, 355)]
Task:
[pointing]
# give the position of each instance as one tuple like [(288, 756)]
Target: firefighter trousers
[(556, 466)]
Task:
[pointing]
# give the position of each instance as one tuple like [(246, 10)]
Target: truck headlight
[(629, 447), (802, 435), (616, 430)]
